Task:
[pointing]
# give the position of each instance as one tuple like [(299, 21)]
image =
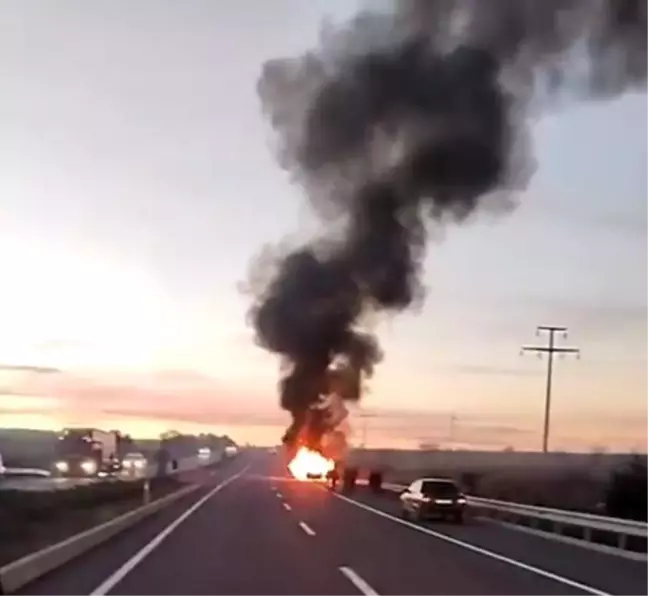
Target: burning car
[(309, 464)]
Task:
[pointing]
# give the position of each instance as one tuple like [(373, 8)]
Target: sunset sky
[(138, 183)]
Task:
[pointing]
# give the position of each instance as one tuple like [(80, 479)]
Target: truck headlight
[(140, 464), (127, 463), (61, 466), (89, 466)]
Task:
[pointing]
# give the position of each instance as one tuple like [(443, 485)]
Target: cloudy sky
[(137, 184)]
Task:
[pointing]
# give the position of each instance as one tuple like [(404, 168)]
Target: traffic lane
[(606, 572), (395, 559), (242, 541), (85, 573)]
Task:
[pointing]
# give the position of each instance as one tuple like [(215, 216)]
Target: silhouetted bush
[(470, 482), (627, 494)]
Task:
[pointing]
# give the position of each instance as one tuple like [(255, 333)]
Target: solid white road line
[(358, 582), (307, 529), (287, 507), (476, 549), (139, 556)]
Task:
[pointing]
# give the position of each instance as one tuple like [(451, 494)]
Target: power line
[(549, 349)]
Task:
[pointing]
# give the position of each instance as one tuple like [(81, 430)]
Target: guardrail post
[(587, 534), (623, 541), (146, 496)]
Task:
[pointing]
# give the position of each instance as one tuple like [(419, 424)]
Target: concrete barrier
[(19, 573)]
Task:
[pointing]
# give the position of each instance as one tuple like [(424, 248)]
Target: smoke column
[(402, 120)]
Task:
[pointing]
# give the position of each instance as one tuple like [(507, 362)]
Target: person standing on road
[(333, 477)]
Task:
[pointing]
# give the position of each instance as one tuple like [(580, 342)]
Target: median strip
[(18, 573), (34, 520), (24, 570)]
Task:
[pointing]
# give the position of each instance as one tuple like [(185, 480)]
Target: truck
[(87, 452)]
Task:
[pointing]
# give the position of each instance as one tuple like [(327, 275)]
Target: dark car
[(433, 497)]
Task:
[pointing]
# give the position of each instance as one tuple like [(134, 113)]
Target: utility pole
[(549, 349), (365, 416), (451, 428)]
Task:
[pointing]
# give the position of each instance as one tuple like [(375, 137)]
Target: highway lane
[(239, 542), (265, 534), (606, 572), (434, 565)]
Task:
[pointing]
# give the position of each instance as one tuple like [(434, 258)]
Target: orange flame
[(309, 463)]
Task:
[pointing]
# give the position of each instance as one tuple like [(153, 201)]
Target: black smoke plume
[(402, 120)]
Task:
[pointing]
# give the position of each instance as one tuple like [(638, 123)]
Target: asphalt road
[(251, 530)]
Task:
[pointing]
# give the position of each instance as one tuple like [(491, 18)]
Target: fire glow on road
[(309, 463)]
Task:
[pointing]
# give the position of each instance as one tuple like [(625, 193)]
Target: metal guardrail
[(556, 519), (558, 516)]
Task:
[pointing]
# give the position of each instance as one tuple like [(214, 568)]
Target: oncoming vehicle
[(433, 497), (134, 463), (87, 452)]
